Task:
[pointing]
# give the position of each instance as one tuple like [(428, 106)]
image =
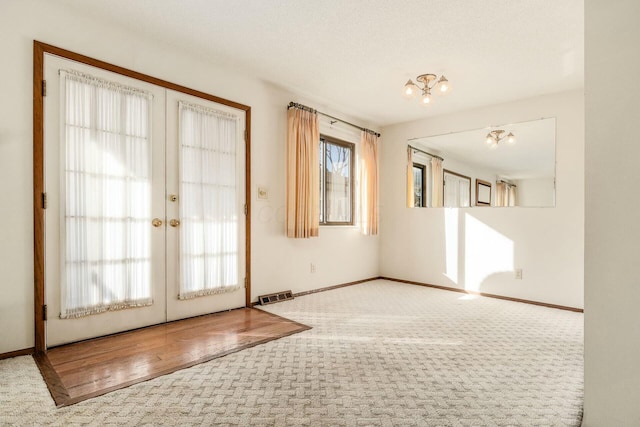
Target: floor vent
[(277, 297)]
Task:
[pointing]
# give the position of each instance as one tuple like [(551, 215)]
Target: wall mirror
[(484, 167)]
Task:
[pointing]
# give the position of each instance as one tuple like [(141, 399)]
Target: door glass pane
[(106, 189), (209, 208), (456, 190)]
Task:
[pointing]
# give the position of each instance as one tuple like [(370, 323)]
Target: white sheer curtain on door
[(209, 213), (105, 196)]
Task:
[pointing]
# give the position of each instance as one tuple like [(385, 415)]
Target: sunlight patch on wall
[(487, 252)]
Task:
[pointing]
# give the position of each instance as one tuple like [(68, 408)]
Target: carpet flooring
[(380, 353)]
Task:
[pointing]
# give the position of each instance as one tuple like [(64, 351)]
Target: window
[(336, 181), (419, 185), (422, 191)]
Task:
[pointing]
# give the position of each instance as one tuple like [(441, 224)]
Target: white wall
[(612, 268), (341, 255), (535, 192), (478, 248)]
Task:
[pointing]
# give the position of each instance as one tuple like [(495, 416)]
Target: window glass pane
[(418, 189), (337, 170)]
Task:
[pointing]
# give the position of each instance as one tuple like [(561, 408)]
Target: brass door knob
[(173, 197), (157, 222), (174, 222)]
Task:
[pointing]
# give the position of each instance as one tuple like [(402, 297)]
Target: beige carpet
[(379, 353)]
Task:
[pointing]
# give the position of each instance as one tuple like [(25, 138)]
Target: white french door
[(206, 178), (135, 234)]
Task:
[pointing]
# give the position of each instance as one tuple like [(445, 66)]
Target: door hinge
[(44, 312), (44, 88), (245, 283), (246, 135), (45, 202), (246, 209)]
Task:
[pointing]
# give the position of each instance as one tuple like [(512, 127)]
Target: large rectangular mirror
[(514, 164)]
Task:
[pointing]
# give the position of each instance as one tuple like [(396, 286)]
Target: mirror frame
[(480, 183)]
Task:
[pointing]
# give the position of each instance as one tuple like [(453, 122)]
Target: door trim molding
[(39, 50)]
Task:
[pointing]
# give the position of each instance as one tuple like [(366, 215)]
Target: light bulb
[(426, 97), (493, 145), (444, 84), (489, 139), (409, 89), (511, 138)]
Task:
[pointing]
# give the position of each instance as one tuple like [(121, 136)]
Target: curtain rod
[(424, 152), (305, 108), (508, 183)]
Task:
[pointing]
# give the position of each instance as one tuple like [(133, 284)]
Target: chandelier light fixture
[(495, 136), (428, 82)]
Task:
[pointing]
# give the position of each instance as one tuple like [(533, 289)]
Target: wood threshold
[(16, 353), (87, 369), (464, 291)]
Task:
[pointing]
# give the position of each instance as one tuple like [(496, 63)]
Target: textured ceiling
[(355, 55)]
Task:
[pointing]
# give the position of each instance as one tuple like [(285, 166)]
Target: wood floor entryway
[(87, 369)]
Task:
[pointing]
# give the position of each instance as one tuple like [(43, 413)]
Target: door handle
[(174, 223), (156, 222)]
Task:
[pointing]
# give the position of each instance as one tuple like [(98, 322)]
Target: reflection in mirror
[(483, 193), (457, 190), (517, 171)]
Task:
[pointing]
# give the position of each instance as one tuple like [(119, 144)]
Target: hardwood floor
[(87, 369)]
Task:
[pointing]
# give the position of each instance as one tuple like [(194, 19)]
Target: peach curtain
[(410, 190), (501, 194), (369, 183), (512, 195), (437, 183), (303, 181)]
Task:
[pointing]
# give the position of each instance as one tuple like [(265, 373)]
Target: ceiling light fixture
[(495, 136), (429, 82)]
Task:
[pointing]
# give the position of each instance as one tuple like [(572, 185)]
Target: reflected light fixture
[(429, 82), (495, 136)]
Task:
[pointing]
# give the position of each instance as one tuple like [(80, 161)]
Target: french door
[(145, 194)]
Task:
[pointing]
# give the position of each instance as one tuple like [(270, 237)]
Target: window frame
[(423, 169), (322, 178)]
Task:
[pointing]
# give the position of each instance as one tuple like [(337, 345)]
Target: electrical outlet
[(518, 273), (313, 268)]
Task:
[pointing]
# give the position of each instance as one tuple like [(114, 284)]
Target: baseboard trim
[(483, 294), (326, 288), (23, 352)]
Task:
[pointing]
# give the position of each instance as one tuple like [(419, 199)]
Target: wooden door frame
[(39, 202)]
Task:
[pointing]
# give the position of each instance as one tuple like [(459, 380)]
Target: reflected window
[(336, 181), (421, 179), (419, 185)]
